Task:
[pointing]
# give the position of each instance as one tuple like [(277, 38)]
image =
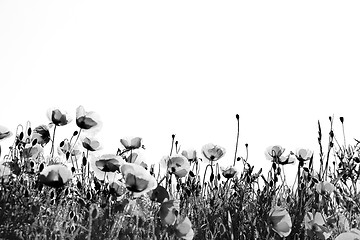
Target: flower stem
[(237, 137)]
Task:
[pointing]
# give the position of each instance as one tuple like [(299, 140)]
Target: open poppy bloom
[(109, 163), (190, 154), (228, 172), (178, 165), (169, 211), (183, 229), (41, 134), (137, 179), (56, 175), (32, 151), (281, 221), (324, 187), (159, 194), (58, 117), (131, 143), (315, 225), (213, 152), (353, 234), (276, 154), (4, 133), (303, 154), (90, 144), (87, 120)]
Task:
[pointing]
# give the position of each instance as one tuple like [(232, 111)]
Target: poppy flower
[(90, 144), (353, 234), (324, 187), (190, 154), (315, 225), (137, 179), (159, 194), (183, 229), (303, 154), (41, 134), (276, 154), (116, 187), (178, 165), (4, 133), (58, 117), (32, 151), (228, 172), (213, 152), (136, 157), (109, 163), (131, 143), (56, 175), (280, 221), (87, 120), (168, 212)]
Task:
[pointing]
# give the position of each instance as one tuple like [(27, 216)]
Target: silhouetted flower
[(213, 152), (87, 120), (324, 187), (90, 144), (228, 172), (41, 134), (4, 133), (137, 179), (169, 211), (315, 225), (56, 175), (275, 153), (58, 117), (131, 143), (281, 221), (109, 163), (178, 165), (303, 154), (190, 154)]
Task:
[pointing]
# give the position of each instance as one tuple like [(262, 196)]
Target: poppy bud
[(84, 161), (21, 136), (212, 177), (237, 116), (62, 143), (75, 133), (342, 119), (29, 131)]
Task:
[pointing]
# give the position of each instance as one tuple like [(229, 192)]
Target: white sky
[(154, 68)]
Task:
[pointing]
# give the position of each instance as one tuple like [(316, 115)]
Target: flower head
[(275, 153), (41, 134), (213, 152), (353, 234), (324, 187), (137, 179), (228, 172), (190, 154), (169, 211), (131, 143), (109, 163), (178, 165), (315, 225), (87, 120), (281, 221), (91, 144), (303, 154), (56, 175), (58, 117)]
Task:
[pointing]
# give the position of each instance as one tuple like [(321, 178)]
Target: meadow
[(68, 191)]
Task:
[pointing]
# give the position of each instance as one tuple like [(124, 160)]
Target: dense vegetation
[(70, 192)]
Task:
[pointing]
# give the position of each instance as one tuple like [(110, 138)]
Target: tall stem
[(237, 137), (52, 144)]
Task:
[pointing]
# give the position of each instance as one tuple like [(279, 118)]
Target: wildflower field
[(68, 191)]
